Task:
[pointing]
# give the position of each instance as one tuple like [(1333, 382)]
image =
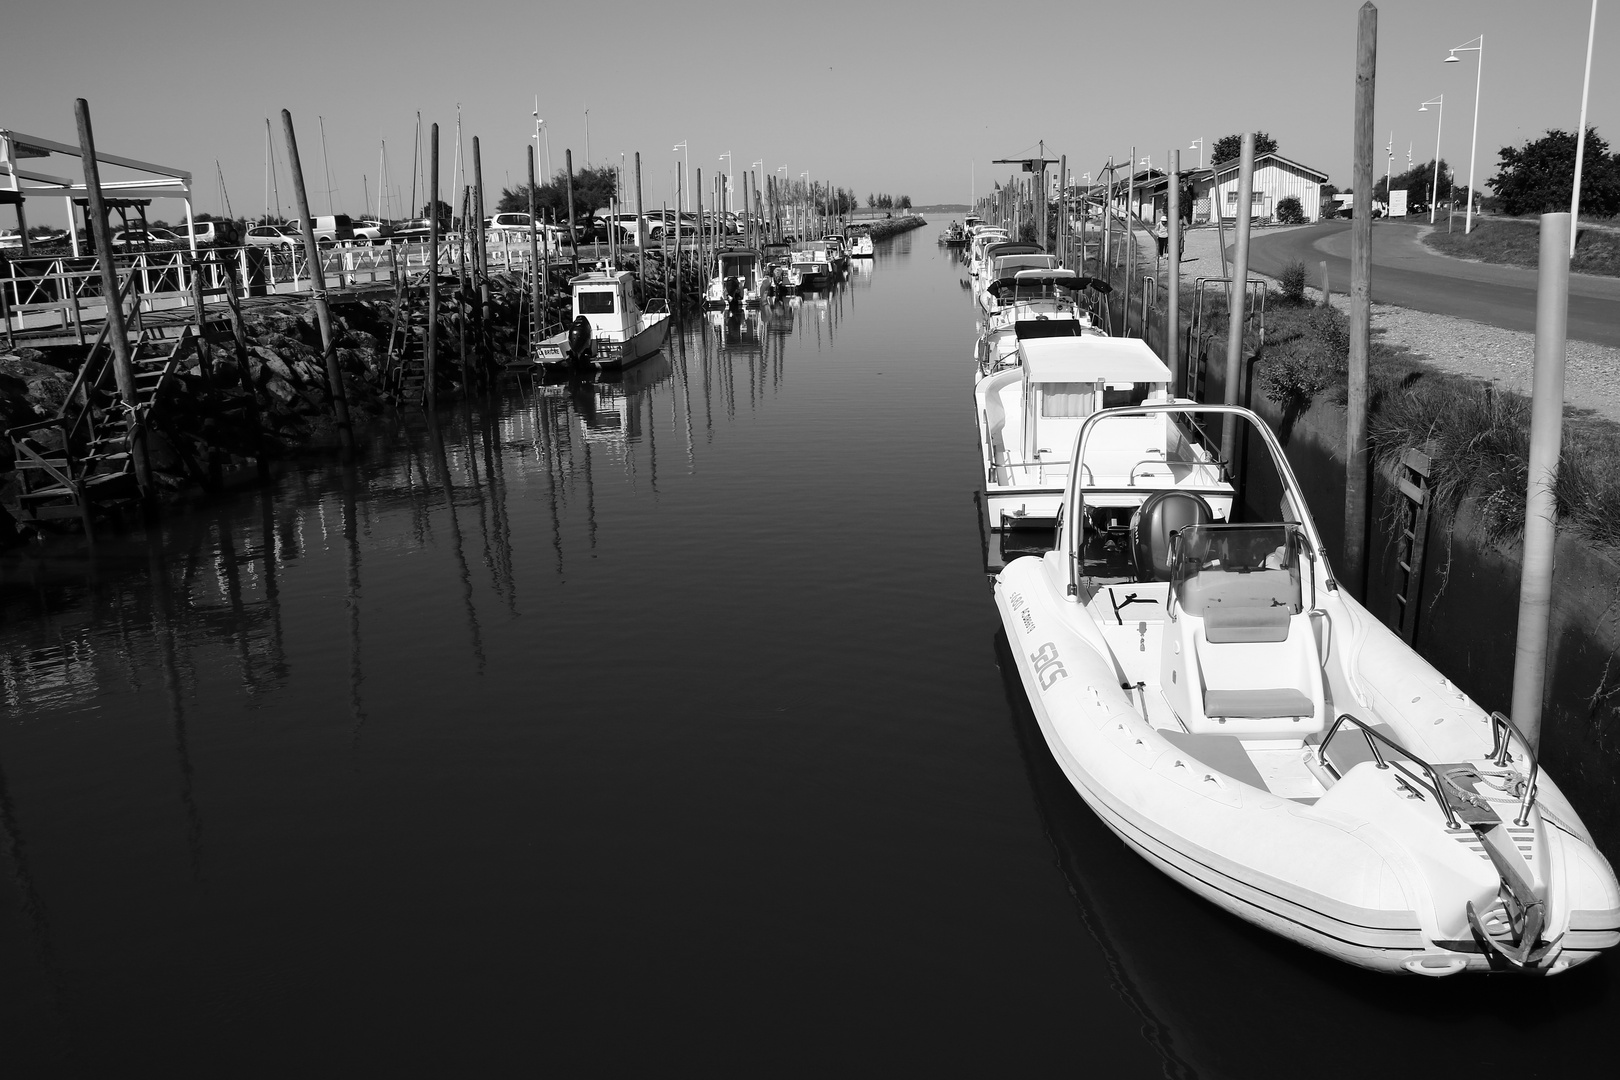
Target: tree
[(1537, 177), (1418, 182), (904, 202), (871, 200), (1231, 146), (445, 213), (594, 189)]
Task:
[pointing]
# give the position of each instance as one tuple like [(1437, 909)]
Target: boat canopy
[(1036, 281), (1011, 247), (1091, 359)]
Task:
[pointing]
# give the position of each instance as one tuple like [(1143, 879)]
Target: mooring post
[(1357, 478), (641, 236), (679, 225), (573, 237), (1541, 500), (702, 263), (1172, 311), (317, 281), (464, 300), (430, 346), (480, 257), (1236, 301), (536, 299), (1327, 294), (123, 363)]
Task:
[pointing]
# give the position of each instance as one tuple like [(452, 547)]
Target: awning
[(1089, 359)]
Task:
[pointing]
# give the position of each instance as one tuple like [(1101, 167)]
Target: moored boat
[(609, 328), (1237, 719), (1031, 304), (742, 280), (860, 242)]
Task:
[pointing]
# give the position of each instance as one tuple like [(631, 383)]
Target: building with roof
[(1275, 178)]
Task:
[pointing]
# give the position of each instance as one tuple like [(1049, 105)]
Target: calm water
[(631, 729)]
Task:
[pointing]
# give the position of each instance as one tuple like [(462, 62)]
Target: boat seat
[(1257, 704)]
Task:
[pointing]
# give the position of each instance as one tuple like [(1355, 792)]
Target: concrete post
[(1541, 501)]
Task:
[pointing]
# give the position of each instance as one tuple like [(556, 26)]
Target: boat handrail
[(1501, 726), (1370, 734), (658, 305)]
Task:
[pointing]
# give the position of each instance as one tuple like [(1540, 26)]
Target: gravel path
[(1506, 357)]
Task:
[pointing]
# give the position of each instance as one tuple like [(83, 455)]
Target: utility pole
[(1236, 300), (1172, 314)]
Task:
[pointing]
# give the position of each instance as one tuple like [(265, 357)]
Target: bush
[(1290, 211), (1292, 280)]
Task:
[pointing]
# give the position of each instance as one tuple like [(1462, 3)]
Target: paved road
[(1407, 274)]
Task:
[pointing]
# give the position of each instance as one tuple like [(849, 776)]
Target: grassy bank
[(1514, 242), (1477, 434)]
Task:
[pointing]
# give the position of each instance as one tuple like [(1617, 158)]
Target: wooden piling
[(536, 299), (641, 234), (480, 255), (430, 347), (573, 236), (123, 363), (1237, 301), (702, 264), (317, 280), (1172, 311), (464, 300), (1357, 479)]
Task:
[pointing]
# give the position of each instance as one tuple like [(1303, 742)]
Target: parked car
[(271, 236), (505, 221), (223, 233), (370, 230), (152, 237)]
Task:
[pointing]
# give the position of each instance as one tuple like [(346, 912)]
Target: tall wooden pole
[(641, 234), (697, 196), (1357, 479), (123, 363), (1237, 301), (1130, 243), (1541, 501), (573, 237), (480, 240), (317, 280), (1172, 311), (536, 299), (430, 344)]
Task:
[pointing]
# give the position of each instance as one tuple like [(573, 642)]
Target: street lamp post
[(1198, 145), (686, 190), (1453, 58), (1440, 122)]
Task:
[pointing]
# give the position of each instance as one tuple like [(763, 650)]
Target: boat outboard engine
[(1163, 515), (579, 338), (734, 291)]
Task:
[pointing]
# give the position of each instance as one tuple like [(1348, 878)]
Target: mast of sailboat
[(416, 162), (275, 181), (324, 167), (224, 196), (455, 169)]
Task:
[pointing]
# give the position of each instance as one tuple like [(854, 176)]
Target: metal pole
[(1434, 186), (317, 283), (1541, 502), (1580, 137), (123, 365), (1473, 152), (1236, 301), (1172, 313), (1356, 479), (1130, 246), (430, 346)]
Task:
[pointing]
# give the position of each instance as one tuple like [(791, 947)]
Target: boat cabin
[(1068, 379), (606, 299)]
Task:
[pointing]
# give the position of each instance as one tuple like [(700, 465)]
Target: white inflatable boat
[(1251, 730)]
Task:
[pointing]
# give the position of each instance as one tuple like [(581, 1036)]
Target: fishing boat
[(837, 251), (1029, 413), (1031, 304), (742, 281), (810, 266), (1236, 718), (860, 242), (609, 328), (954, 235)]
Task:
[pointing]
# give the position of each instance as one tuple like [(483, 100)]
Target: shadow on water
[(1220, 997)]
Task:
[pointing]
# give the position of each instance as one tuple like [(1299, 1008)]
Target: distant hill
[(942, 208)]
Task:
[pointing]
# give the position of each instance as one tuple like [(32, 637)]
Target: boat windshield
[(1242, 579), (595, 302)]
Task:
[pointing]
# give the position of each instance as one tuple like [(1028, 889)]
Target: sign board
[(1397, 203)]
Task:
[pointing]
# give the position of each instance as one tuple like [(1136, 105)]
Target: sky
[(910, 99)]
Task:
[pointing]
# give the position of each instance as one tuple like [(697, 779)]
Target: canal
[(647, 727)]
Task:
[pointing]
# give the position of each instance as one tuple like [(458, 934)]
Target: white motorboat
[(979, 239), (609, 328), (1030, 412), (860, 243), (1030, 304), (1255, 733), (1005, 260), (742, 281), (810, 266)]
